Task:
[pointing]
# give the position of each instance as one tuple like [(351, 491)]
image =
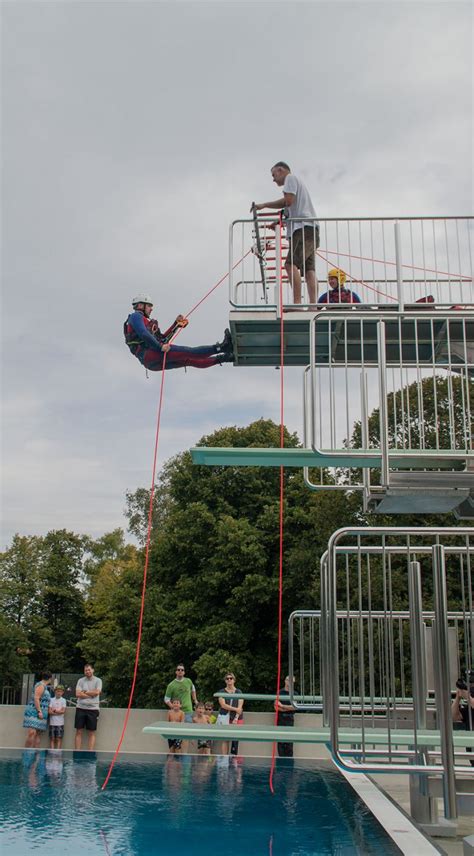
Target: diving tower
[(387, 410), (388, 397)]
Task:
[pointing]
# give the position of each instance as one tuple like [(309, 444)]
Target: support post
[(423, 807), (278, 270), (364, 437), (398, 260), (383, 409), (442, 681), (417, 639)]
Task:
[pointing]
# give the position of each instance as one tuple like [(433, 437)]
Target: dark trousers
[(201, 357)]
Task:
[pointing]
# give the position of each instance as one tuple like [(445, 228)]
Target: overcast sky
[(132, 134)]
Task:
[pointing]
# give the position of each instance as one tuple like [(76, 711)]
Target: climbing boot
[(226, 345)]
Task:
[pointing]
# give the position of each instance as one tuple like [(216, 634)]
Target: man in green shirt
[(182, 688)]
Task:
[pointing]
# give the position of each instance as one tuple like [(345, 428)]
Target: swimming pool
[(193, 804)]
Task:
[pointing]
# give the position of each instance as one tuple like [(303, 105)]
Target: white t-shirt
[(57, 718), (302, 206), (86, 684)]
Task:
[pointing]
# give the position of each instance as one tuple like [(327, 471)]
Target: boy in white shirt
[(56, 718)]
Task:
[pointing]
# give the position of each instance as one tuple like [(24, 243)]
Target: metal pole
[(323, 639), (398, 260), (383, 410), (312, 362), (332, 657), (442, 682), (278, 273), (417, 639), (364, 437), (231, 264)]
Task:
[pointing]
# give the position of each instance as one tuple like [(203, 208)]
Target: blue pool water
[(52, 802)]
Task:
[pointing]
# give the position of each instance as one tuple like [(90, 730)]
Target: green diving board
[(282, 734), (250, 456)]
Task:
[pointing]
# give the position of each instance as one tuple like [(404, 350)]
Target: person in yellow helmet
[(337, 292)]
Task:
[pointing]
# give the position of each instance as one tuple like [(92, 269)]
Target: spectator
[(35, 718), (175, 714), (57, 706), (302, 229), (230, 711), (462, 709), (338, 293), (201, 718), (182, 688), (209, 709), (88, 690), (286, 717)]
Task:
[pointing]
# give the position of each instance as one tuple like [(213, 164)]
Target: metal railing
[(387, 260), (385, 572), (362, 638), (400, 385)]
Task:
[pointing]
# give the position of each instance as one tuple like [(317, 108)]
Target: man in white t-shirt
[(302, 229), (88, 690)]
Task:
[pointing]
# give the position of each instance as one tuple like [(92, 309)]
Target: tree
[(42, 600), (213, 576), (430, 414)]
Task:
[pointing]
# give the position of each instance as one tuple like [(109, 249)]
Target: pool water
[(196, 805)]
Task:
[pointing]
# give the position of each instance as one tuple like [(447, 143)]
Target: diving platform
[(411, 338)]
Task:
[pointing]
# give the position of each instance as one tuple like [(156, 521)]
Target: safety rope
[(280, 569), (354, 279), (149, 528), (412, 267), (144, 581)]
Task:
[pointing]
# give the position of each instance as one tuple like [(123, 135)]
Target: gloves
[(181, 321)]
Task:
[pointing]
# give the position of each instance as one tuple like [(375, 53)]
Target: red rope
[(216, 285), (145, 575), (148, 537), (412, 267), (354, 279), (280, 570)]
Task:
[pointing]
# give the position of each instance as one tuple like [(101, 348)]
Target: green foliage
[(212, 594), (41, 599), (436, 406)]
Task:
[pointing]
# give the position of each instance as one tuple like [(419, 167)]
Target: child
[(175, 714), (200, 717), (57, 706), (209, 708)]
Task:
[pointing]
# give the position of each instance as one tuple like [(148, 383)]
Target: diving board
[(282, 734), (250, 456)]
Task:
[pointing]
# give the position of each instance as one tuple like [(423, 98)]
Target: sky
[(132, 134)]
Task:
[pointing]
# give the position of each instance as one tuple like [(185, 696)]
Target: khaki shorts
[(303, 245)]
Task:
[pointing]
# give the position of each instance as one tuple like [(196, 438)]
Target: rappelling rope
[(412, 267), (149, 528), (354, 279), (280, 569), (145, 575)]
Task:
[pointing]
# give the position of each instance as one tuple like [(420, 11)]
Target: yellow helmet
[(339, 274)]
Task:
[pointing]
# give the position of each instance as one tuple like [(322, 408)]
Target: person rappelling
[(149, 345)]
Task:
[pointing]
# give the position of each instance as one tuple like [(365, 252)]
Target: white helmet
[(142, 298)]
